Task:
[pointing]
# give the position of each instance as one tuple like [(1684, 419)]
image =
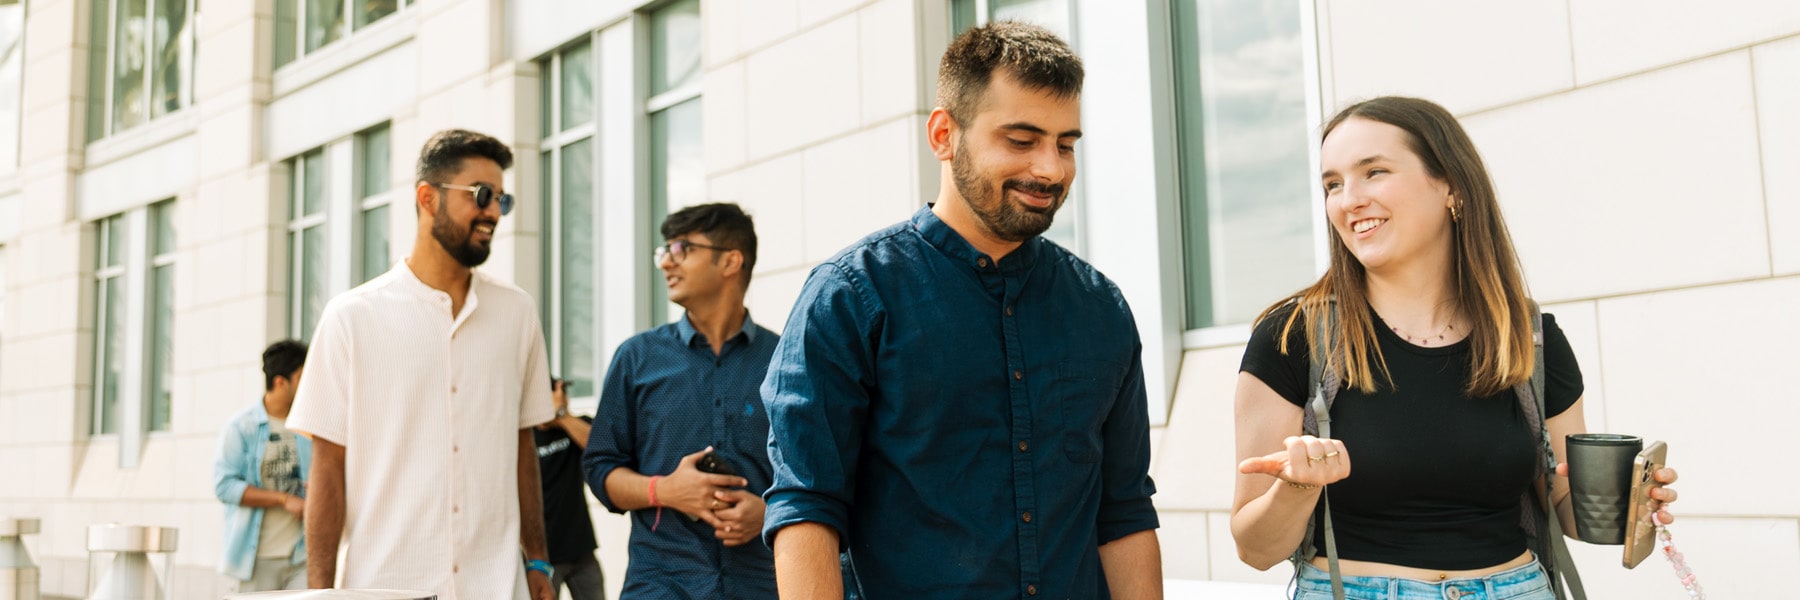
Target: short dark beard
[(458, 243), (1010, 221)]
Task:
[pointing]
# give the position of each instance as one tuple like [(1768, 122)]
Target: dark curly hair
[(1033, 55)]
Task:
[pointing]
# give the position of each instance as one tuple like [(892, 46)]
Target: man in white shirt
[(421, 392)]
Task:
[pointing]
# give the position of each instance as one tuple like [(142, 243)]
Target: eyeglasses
[(678, 250), (484, 195)]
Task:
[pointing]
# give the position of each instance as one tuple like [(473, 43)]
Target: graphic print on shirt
[(281, 465)]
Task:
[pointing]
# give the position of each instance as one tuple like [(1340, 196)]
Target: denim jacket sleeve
[(230, 463)]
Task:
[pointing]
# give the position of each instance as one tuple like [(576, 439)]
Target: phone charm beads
[(1676, 560)]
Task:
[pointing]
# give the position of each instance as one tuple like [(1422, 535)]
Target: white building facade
[(184, 182)]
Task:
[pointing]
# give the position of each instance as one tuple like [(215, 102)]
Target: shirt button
[(1009, 311), (1027, 516), (455, 448), (455, 568), (1024, 446), (981, 262), (1018, 375), (453, 389), (458, 509), (1031, 590)]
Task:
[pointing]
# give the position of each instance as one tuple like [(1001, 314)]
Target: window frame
[(101, 118), (341, 213), (656, 159), (554, 139), (298, 224), (385, 197), (349, 30), (156, 359), (134, 273), (16, 51), (105, 274), (1230, 334)]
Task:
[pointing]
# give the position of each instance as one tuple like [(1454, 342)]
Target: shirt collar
[(403, 273), (687, 331), (952, 244)]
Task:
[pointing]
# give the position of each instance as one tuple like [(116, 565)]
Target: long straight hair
[(1489, 287)]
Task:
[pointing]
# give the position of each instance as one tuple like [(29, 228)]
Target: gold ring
[(1331, 454), (1314, 458), (715, 503)]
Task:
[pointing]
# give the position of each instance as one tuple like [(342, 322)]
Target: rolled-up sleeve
[(614, 443), (1126, 487), (817, 392)]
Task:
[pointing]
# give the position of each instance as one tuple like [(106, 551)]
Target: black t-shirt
[(569, 531), (1437, 474)]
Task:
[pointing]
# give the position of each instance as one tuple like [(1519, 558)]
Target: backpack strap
[(1316, 421), (1559, 561)]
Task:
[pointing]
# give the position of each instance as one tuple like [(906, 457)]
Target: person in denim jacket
[(260, 475)]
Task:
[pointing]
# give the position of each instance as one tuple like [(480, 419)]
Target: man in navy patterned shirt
[(676, 393), (959, 403)]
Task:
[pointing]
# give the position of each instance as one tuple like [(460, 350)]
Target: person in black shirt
[(568, 528), (1433, 331)]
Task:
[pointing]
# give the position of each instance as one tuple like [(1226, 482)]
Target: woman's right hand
[(1306, 461)]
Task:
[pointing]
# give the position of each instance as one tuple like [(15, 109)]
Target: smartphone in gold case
[(1640, 533)]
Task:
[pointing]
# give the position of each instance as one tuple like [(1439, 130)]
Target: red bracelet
[(654, 503)]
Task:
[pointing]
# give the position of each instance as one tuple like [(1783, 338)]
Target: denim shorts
[(1526, 582)]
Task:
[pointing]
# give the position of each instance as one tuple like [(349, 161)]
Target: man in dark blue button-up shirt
[(957, 402), (674, 393)]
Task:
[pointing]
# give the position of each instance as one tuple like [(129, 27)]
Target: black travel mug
[(1600, 484)]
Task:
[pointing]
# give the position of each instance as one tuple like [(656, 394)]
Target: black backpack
[(1543, 531)]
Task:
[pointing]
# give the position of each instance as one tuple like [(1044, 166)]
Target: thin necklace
[(1426, 340)]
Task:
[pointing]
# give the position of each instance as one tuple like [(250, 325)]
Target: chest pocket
[(1086, 391)]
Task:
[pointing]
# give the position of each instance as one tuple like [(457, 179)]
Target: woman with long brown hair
[(1433, 328)]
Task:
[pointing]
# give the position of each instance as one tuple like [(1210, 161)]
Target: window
[(161, 312), (12, 61), (1049, 14), (374, 151), (570, 169), (134, 287), (304, 26), (139, 62), (339, 203), (109, 325), (1057, 16), (307, 249), (677, 170), (1246, 204)]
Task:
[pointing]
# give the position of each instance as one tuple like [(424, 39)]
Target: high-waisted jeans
[(1526, 582)]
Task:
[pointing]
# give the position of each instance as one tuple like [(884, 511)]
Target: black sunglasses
[(484, 196)]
